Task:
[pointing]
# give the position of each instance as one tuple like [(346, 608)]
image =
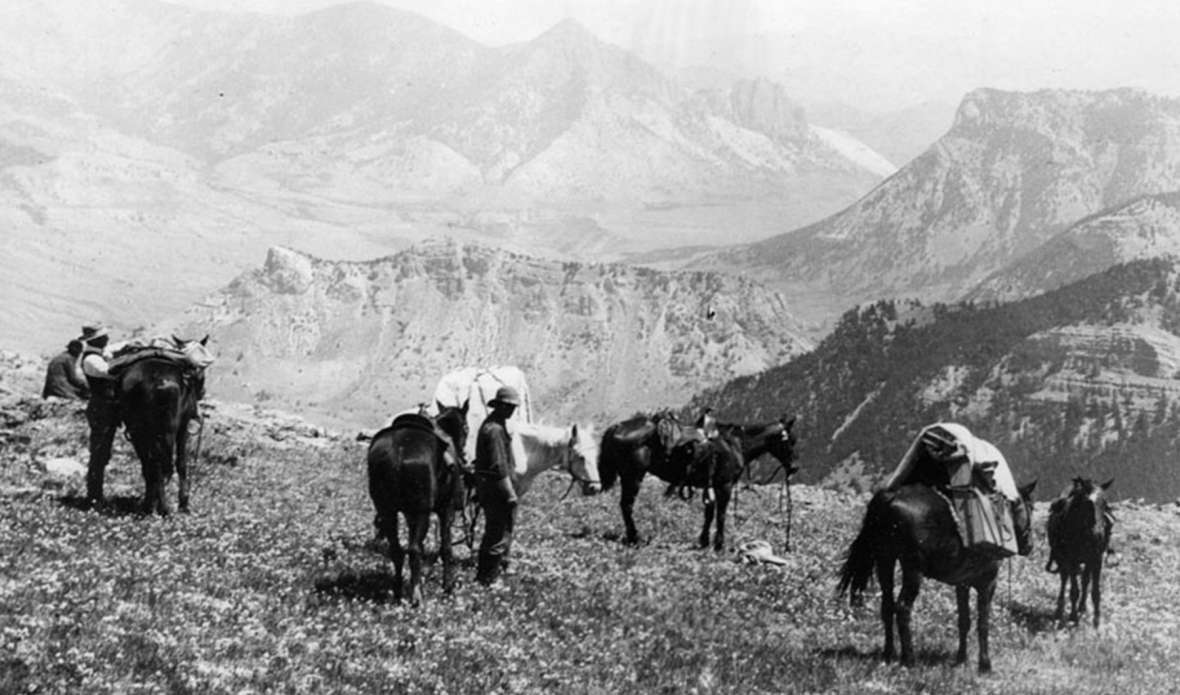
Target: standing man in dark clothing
[(493, 470), (63, 377), (102, 412)]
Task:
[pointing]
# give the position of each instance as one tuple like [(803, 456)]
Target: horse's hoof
[(985, 666)]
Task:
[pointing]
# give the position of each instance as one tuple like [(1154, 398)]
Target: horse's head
[(781, 442), (1022, 518), (1087, 507), (583, 459), (453, 421)]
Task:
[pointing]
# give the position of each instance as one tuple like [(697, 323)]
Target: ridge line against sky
[(877, 56)]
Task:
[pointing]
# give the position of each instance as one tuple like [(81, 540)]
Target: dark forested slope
[(1076, 381)]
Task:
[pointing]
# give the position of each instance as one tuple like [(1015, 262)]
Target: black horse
[(1079, 529), (640, 445), (633, 448), (158, 397), (414, 469), (913, 525)]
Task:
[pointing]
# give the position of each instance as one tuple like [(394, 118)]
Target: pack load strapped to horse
[(193, 354), (159, 384), (476, 386), (974, 476)]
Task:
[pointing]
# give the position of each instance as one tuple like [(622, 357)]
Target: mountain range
[(136, 132), (1015, 170)]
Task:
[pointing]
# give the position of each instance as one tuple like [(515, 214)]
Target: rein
[(574, 477)]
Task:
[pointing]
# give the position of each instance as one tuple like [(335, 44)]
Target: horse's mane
[(549, 435), (552, 435), (747, 430)]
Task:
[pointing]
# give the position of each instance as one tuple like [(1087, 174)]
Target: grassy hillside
[(272, 584), (1065, 383)]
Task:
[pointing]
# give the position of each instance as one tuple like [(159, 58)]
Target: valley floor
[(273, 584)]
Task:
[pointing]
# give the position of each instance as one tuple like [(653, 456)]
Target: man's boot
[(487, 569)]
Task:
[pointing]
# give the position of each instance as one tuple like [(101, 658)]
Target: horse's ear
[(1027, 490), (1107, 484), (177, 341), (574, 432), (788, 423), (463, 408), (204, 340)]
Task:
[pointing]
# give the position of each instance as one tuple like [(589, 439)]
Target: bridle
[(569, 468)]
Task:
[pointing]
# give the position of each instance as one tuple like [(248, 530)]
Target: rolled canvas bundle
[(974, 475)]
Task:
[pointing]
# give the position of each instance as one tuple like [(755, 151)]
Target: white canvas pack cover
[(978, 452), (477, 386)]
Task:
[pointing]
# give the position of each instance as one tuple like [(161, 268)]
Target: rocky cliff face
[(1014, 170), (362, 340)]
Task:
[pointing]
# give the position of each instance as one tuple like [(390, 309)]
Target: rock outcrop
[(362, 340)]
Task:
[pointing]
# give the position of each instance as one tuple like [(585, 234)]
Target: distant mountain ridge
[(134, 133), (359, 341), (1014, 170), (1083, 380), (1145, 227)]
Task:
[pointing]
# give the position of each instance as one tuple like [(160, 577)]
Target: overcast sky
[(882, 54)]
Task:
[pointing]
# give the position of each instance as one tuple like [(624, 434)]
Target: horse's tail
[(608, 470), (859, 562), (402, 474)]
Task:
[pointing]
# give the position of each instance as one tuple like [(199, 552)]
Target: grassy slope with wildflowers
[(273, 584)]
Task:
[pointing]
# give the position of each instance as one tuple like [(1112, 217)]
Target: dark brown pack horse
[(1079, 527), (643, 444), (158, 397), (913, 525), (414, 470)]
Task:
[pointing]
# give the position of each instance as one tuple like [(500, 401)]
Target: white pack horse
[(477, 386), (571, 449)]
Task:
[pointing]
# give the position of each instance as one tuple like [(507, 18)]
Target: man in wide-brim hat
[(493, 470), (102, 411)]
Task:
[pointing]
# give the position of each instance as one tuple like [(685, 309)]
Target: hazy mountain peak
[(1014, 170), (1114, 114)]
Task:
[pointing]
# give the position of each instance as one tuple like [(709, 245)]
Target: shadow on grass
[(922, 657), (123, 505), (375, 585), (1035, 619)]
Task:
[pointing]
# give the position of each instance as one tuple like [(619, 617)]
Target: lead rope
[(1009, 582), (200, 433), (787, 491)]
